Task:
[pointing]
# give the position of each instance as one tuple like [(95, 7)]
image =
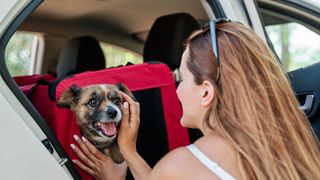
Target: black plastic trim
[(266, 34), (18, 93), (301, 5), (217, 8), (246, 12), (299, 17)]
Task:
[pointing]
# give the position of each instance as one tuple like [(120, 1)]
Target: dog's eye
[(116, 101), (93, 102)]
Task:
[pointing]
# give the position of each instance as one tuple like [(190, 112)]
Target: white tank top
[(211, 165)]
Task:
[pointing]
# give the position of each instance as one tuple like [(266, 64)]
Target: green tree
[(116, 56), (285, 54), (18, 53)]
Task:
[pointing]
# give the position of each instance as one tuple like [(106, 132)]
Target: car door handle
[(63, 161), (308, 104)]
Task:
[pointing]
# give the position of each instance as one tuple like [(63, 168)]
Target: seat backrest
[(32, 79), (154, 88), (80, 54), (27, 83), (166, 38), (165, 44)]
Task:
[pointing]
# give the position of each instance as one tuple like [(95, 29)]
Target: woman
[(241, 101)]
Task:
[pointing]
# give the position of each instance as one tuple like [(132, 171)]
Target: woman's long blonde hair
[(255, 109)]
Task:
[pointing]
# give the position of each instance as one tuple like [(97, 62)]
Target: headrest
[(80, 54), (166, 37)]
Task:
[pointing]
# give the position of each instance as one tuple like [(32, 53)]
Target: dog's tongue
[(109, 129)]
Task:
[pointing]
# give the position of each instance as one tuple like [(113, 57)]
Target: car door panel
[(306, 82)]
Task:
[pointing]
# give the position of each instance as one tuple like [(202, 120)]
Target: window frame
[(38, 126), (291, 10), (297, 12)]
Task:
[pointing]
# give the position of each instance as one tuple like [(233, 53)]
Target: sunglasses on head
[(212, 25)]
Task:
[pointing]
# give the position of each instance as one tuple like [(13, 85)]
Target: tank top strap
[(211, 165)]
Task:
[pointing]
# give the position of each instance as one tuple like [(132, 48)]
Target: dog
[(99, 111)]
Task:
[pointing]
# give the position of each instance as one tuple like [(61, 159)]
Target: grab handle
[(308, 104)]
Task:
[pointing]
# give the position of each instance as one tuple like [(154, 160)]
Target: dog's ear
[(69, 97), (124, 88)]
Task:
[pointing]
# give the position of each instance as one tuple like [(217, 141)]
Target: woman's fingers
[(92, 149), (127, 98), (83, 167), (82, 156), (129, 126), (95, 162), (132, 113), (125, 120), (84, 147)]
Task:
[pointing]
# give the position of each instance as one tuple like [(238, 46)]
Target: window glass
[(296, 45), (314, 3), (20, 53), (116, 56)]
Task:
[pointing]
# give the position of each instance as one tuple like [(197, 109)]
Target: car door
[(293, 28), (28, 150)]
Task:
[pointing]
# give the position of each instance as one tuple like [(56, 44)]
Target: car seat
[(26, 83), (166, 38), (165, 44), (80, 54), (153, 87)]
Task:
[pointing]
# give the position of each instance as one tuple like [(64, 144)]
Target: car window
[(20, 53), (116, 56), (294, 43), (315, 3)]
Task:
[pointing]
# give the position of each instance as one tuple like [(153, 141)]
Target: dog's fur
[(99, 110)]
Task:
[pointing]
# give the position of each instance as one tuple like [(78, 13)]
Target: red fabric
[(44, 105), (139, 77), (135, 77), (61, 122), (177, 136), (26, 88), (65, 127), (32, 79), (25, 83)]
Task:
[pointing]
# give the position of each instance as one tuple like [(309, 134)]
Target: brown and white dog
[(99, 111)]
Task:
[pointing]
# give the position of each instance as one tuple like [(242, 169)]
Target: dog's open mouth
[(108, 129)]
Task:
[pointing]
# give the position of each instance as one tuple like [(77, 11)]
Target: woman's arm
[(128, 137), (138, 166)]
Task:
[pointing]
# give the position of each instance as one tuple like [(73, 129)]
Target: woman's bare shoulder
[(182, 164), (220, 151), (174, 165)]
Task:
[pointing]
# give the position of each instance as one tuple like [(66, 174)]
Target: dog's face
[(98, 108)]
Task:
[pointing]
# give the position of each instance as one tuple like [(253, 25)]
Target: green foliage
[(18, 53), (116, 56), (296, 45)]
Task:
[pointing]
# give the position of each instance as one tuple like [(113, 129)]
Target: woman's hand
[(129, 126), (96, 163), (127, 139)]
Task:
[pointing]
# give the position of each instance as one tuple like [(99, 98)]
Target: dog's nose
[(111, 112)]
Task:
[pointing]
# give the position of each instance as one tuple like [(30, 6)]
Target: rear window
[(20, 53), (116, 56)]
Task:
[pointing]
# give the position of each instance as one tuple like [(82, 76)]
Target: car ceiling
[(128, 17)]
